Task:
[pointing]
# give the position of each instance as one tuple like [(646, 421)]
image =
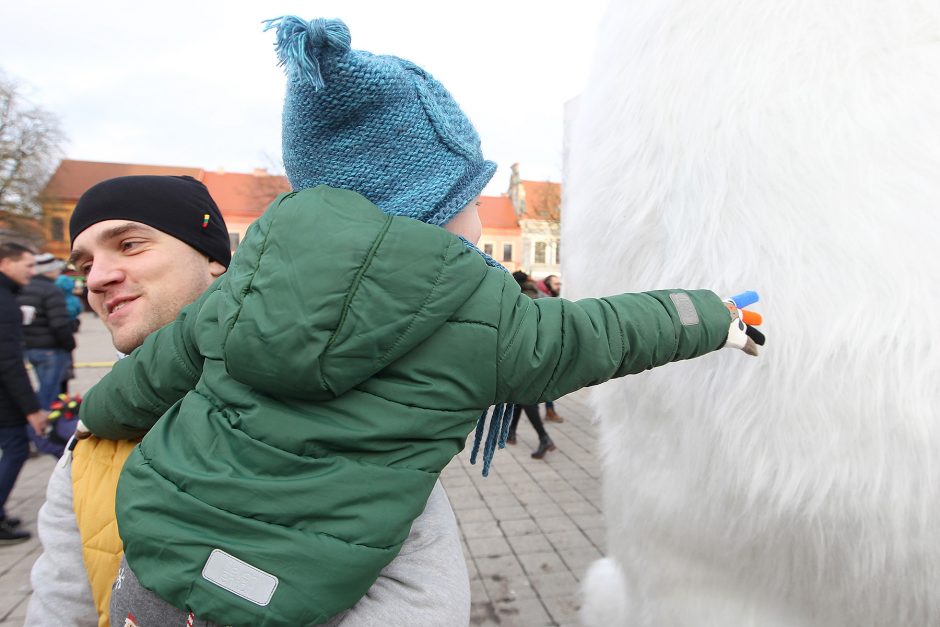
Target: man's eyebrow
[(109, 234), (74, 257)]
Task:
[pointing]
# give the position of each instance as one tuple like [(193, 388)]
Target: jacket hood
[(311, 314)]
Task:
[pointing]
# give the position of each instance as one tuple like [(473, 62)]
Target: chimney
[(516, 191), (260, 172)]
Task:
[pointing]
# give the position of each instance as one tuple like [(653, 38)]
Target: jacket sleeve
[(551, 346), (140, 388), (60, 324), (13, 374), (61, 590)]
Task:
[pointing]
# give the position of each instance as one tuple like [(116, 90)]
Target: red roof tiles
[(238, 195), (496, 212), (542, 200), (73, 178), (244, 194)]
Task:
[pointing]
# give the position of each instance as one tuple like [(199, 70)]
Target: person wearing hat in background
[(144, 241), (19, 405), (72, 302), (341, 362), (74, 305), (50, 337)]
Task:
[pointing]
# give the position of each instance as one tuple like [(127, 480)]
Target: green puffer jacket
[(311, 397)]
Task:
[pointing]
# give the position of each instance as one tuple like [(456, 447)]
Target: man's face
[(553, 283), (19, 270), (138, 277)]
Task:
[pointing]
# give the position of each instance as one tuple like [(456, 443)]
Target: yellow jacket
[(96, 467)]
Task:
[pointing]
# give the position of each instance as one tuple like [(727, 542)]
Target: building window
[(539, 252), (58, 229), (558, 252), (507, 252), (233, 240), (488, 249)]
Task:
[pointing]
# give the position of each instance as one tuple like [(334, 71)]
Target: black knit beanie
[(177, 205)]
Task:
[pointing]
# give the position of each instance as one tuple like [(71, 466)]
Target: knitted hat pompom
[(300, 44), (375, 124)]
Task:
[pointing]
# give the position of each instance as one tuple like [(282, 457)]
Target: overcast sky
[(196, 84)]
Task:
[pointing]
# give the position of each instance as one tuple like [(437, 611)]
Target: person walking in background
[(528, 287), (74, 305), (72, 302), (525, 284), (550, 286), (50, 337), (532, 413), (18, 402)]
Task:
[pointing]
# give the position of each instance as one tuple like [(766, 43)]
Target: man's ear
[(216, 269)]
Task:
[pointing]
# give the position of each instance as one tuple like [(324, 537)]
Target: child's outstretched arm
[(140, 388), (550, 347)]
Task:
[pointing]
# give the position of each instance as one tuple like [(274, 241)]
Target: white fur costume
[(790, 147)]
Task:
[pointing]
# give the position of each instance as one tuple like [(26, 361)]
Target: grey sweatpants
[(132, 605)]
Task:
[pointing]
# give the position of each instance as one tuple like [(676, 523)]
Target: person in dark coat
[(18, 402), (50, 336), (550, 286), (529, 288)]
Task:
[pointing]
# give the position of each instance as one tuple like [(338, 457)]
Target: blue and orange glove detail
[(742, 334)]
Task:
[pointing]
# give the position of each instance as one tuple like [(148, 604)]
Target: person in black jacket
[(18, 402), (50, 336)]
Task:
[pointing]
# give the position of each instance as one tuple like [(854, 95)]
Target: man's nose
[(102, 274)]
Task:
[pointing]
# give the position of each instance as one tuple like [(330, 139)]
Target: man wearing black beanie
[(149, 246)]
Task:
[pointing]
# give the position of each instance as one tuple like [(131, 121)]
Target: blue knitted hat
[(377, 125)]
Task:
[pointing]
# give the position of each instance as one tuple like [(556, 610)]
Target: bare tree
[(546, 200), (30, 140)]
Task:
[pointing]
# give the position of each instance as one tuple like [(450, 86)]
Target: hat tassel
[(500, 420), (301, 45)]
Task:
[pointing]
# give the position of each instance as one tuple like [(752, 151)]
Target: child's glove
[(742, 334)]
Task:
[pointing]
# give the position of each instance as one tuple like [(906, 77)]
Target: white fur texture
[(603, 587), (791, 147)]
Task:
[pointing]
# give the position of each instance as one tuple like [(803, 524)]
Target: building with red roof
[(502, 237), (520, 228), (241, 197), (537, 205)]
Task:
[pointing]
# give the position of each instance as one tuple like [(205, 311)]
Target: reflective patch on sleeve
[(240, 578), (687, 314)]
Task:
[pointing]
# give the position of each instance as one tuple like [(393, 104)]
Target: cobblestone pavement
[(529, 530)]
